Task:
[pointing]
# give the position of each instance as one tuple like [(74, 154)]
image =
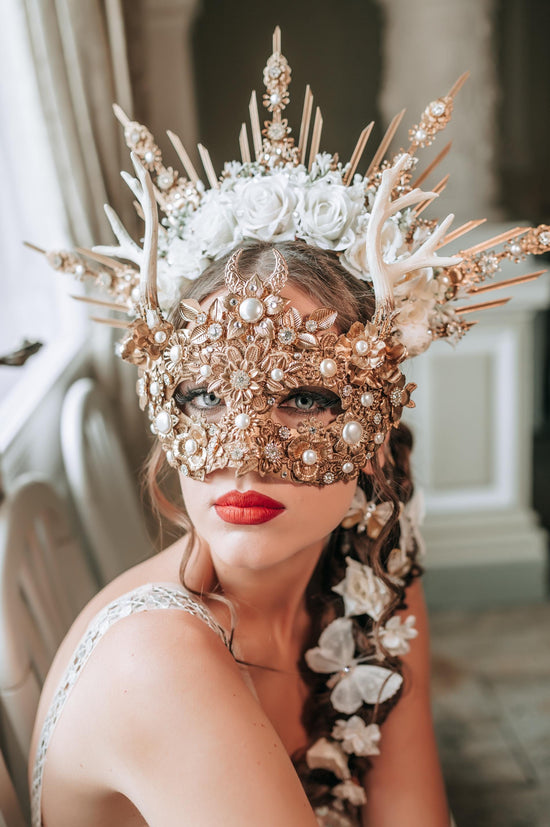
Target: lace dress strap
[(145, 598)]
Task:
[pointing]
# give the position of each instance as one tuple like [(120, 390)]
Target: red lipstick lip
[(247, 499), (247, 508)]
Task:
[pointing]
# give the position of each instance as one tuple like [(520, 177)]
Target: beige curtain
[(80, 56)]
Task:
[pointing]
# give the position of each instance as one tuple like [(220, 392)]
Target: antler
[(383, 275)]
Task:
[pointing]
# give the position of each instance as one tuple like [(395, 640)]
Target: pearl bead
[(242, 421), (348, 468), (154, 388), (367, 399), (79, 270), (160, 337), (352, 432), (379, 438), (277, 374), (163, 422), (175, 353), (190, 446), (361, 347), (251, 310), (309, 457), (149, 157), (328, 368), (205, 371)]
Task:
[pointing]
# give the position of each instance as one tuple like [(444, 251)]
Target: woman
[(245, 674)]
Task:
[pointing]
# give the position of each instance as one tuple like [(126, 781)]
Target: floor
[(491, 682)]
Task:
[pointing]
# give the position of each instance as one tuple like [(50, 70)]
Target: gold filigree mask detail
[(244, 358)]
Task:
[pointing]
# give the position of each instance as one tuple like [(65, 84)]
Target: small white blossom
[(362, 590), (326, 755), (350, 791), (357, 737), (395, 635)]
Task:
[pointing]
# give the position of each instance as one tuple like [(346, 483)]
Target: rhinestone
[(57, 261), (242, 421), (140, 387), (369, 455), (152, 318), (277, 374), (274, 71), (271, 400), (396, 397), (160, 337), (311, 326), (163, 422), (328, 478), (347, 390), (284, 475), (251, 310), (276, 131), (106, 281), (286, 335), (154, 388), (352, 432), (134, 295), (215, 331), (149, 156), (379, 438), (233, 301), (488, 265), (361, 347), (367, 399), (309, 457), (377, 418), (437, 108), (190, 446), (544, 239), (201, 318), (175, 353), (284, 432), (328, 368), (272, 452), (348, 467), (184, 470), (237, 452), (240, 380), (135, 136)]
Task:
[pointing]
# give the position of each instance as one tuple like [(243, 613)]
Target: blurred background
[(482, 422)]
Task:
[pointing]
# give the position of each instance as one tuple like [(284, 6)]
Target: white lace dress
[(143, 599)]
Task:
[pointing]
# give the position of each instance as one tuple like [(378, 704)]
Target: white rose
[(170, 285), (213, 228), (183, 258), (265, 207), (326, 214), (362, 590)]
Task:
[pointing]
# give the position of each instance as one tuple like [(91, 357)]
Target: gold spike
[(243, 144), (357, 153), (184, 157), (255, 125), (101, 259), (492, 242), (306, 119), (508, 283), (111, 322), (462, 230), (34, 247), (120, 308), (458, 84), (316, 137), (482, 306), (121, 115), (437, 189), (208, 167), (429, 169), (385, 142), (277, 40)]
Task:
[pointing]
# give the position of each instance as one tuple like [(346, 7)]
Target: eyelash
[(324, 401)]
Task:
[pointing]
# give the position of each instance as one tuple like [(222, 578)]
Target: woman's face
[(275, 519)]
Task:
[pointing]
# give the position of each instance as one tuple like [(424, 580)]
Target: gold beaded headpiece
[(250, 353)]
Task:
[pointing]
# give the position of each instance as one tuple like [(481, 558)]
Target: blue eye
[(305, 400), (197, 398)]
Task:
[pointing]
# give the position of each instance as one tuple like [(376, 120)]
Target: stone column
[(427, 45)]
